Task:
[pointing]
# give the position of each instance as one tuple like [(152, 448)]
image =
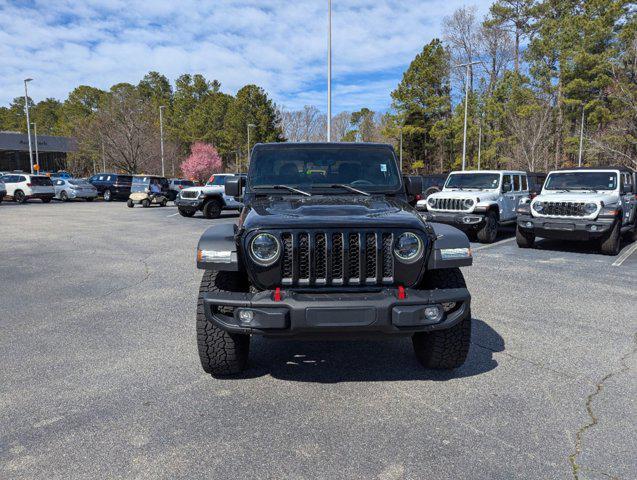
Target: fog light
[(246, 316), (593, 228), (433, 314), (528, 224)]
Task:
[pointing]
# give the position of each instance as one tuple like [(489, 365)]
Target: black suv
[(112, 186), (328, 246)]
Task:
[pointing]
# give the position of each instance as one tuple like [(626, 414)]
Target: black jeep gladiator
[(327, 246)]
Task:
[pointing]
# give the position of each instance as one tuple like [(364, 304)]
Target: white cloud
[(277, 44)]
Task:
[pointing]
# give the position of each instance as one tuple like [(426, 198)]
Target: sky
[(279, 45)]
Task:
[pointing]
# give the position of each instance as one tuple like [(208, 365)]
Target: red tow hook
[(401, 292), (277, 294)]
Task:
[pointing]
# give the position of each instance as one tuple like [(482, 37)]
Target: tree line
[(543, 72)]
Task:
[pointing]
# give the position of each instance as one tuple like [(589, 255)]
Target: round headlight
[(468, 203), (431, 201), (265, 249), (408, 247), (590, 208), (538, 207)]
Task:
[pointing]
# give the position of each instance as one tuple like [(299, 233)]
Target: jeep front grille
[(189, 194), (564, 209), (337, 258), (448, 204)]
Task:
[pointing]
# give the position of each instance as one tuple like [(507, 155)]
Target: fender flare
[(218, 238), (448, 237)]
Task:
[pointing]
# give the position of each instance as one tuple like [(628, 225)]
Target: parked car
[(112, 186), (336, 254), (478, 202), (72, 188), (536, 182), (177, 185), (432, 184), (22, 187), (61, 174), (210, 199), (596, 204), (3, 190), (148, 190)]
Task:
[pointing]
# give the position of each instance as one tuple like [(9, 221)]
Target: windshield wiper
[(346, 187), (283, 187)]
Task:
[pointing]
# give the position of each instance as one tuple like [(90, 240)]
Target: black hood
[(330, 211)]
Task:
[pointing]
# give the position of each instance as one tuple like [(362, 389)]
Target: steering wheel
[(362, 183)]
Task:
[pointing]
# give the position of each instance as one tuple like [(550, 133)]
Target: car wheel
[(145, 203), (221, 353), (108, 195), (489, 231), (19, 196), (444, 349), (430, 191), (90, 199), (610, 245), (47, 200), (186, 213), (130, 203), (164, 202), (524, 239), (212, 209), (64, 196)]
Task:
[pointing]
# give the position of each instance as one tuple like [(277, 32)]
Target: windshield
[(41, 181), (368, 168), (217, 180), (142, 184), (473, 180), (582, 181)]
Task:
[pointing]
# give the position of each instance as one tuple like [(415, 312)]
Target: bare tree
[(461, 34), (340, 125), (306, 125), (528, 131), (495, 50)]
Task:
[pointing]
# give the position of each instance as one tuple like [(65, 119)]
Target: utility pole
[(37, 156), (401, 150), (466, 110), (480, 141), (26, 109), (250, 125), (329, 70), (581, 138), (161, 137)]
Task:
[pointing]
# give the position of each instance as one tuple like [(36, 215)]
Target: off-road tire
[(108, 196), (489, 231), (611, 243), (212, 209), (430, 191), (130, 203), (186, 213), (19, 196), (145, 203), (221, 353), (47, 200), (524, 239), (444, 349), (64, 196)]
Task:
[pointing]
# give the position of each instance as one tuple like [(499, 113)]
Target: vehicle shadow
[(364, 361), (587, 248)]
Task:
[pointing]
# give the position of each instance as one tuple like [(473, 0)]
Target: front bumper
[(566, 228), (461, 220), (301, 313), (189, 203)]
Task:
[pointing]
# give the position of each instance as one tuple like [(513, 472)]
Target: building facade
[(52, 152)]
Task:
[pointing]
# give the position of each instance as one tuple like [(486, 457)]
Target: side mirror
[(413, 185), (506, 187), (234, 186)]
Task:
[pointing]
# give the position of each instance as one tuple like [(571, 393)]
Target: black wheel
[(47, 200), (186, 213), (1, 198), (524, 239), (19, 196), (64, 196), (489, 231), (108, 195), (90, 199), (145, 203), (130, 203), (212, 209), (163, 203), (610, 245), (472, 235), (444, 349), (221, 353)]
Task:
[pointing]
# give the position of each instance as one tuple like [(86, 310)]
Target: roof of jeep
[(621, 169)]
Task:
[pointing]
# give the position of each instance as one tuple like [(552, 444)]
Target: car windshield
[(581, 181), (364, 167), (81, 183), (41, 181), (473, 180), (217, 180)]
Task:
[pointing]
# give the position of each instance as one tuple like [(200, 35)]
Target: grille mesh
[(448, 204), (354, 256), (370, 255), (564, 209), (320, 255), (287, 265), (337, 255), (304, 256), (388, 258)]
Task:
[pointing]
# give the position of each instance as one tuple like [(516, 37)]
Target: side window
[(60, 182), (516, 183), (506, 180), (101, 178), (525, 183), (109, 178), (628, 181), (21, 179)]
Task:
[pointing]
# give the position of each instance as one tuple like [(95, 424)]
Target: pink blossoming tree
[(204, 160)]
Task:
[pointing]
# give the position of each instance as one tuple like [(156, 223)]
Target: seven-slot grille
[(448, 204), (337, 258), (189, 194), (564, 209)]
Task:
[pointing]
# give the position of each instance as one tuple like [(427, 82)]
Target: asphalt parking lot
[(100, 376)]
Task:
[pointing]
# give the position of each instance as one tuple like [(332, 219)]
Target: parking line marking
[(172, 215), (490, 245), (624, 256)]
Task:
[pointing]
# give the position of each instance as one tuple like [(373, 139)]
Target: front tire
[(19, 196), (64, 196), (444, 349), (130, 203), (212, 209), (524, 239), (610, 245), (186, 213), (221, 353), (145, 203), (489, 231)]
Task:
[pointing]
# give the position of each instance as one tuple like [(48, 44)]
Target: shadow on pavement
[(364, 361), (574, 246)]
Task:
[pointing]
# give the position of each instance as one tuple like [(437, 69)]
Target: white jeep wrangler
[(210, 199), (582, 204), (478, 202)]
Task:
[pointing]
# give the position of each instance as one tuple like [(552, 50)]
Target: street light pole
[(581, 138), (250, 125), (480, 141), (37, 155), (401, 150), (329, 70), (466, 111), (161, 137), (26, 108)]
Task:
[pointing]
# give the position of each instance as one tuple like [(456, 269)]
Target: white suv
[(582, 204), (23, 186), (3, 189), (478, 202), (211, 199)]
